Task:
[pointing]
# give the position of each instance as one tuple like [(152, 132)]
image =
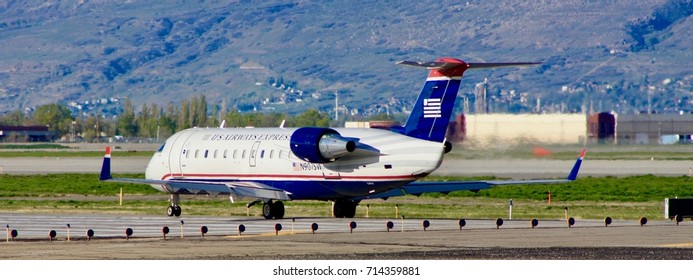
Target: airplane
[(342, 165)]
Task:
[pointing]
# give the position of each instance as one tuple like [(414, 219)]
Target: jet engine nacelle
[(320, 145)]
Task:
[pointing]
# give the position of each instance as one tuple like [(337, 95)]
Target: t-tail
[(431, 114)]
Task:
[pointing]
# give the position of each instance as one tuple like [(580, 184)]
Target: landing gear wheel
[(174, 210), (344, 208), (278, 209), (267, 210), (350, 209), (273, 209)]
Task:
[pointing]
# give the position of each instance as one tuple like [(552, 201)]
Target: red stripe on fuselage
[(282, 176)]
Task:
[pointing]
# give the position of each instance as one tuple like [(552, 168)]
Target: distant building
[(25, 134), (542, 128), (457, 130), (480, 98), (601, 128), (654, 129)]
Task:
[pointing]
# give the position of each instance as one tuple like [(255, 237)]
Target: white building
[(544, 128)]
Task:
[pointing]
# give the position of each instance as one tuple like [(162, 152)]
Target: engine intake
[(320, 145)]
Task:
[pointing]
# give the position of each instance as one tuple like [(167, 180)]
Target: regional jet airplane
[(343, 165)]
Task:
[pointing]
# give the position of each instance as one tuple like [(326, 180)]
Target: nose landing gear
[(174, 209)]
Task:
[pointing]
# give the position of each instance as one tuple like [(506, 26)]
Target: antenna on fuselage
[(282, 124), (223, 122)]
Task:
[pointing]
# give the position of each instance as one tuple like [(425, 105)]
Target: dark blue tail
[(431, 114)]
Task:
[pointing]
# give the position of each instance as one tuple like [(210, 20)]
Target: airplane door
[(177, 153), (253, 154)]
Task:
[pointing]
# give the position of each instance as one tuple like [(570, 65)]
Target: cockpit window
[(161, 148)]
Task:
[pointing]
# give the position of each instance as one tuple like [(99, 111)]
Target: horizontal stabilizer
[(442, 65), (499, 64)]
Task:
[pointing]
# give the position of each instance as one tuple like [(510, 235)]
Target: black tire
[(177, 211), (349, 209), (278, 209), (344, 209), (170, 211), (267, 210), (337, 209)]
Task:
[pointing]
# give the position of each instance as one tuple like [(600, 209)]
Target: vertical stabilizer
[(431, 114)]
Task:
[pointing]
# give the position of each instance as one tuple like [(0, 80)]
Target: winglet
[(106, 167), (576, 167)]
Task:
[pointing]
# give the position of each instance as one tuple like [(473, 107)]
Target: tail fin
[(431, 114), (106, 167), (576, 167)]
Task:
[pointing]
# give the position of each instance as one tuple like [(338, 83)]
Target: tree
[(184, 116), (127, 125), (201, 112), (14, 118), (57, 117), (312, 117)]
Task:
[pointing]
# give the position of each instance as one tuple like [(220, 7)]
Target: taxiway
[(334, 239)]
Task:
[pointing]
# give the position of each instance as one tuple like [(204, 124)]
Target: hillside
[(290, 55)]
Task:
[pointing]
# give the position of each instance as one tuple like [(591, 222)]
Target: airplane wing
[(418, 188), (235, 188)]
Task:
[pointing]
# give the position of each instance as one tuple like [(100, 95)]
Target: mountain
[(610, 55)]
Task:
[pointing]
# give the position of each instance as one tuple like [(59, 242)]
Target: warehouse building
[(524, 128), (654, 129), (25, 134)]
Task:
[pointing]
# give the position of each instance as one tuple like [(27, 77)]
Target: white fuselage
[(263, 155)]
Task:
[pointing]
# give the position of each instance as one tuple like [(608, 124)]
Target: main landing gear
[(273, 209), (174, 209), (344, 208)]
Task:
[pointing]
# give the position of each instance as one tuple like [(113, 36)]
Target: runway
[(443, 239), (503, 168), (334, 239)]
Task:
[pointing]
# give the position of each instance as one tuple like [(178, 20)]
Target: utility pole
[(336, 106)]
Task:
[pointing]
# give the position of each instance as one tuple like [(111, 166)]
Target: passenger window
[(226, 152), (206, 153), (197, 152), (243, 155), (281, 154), (271, 153), (215, 153), (262, 154), (235, 154)]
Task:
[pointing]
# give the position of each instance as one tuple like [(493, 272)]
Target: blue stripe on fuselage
[(325, 190)]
